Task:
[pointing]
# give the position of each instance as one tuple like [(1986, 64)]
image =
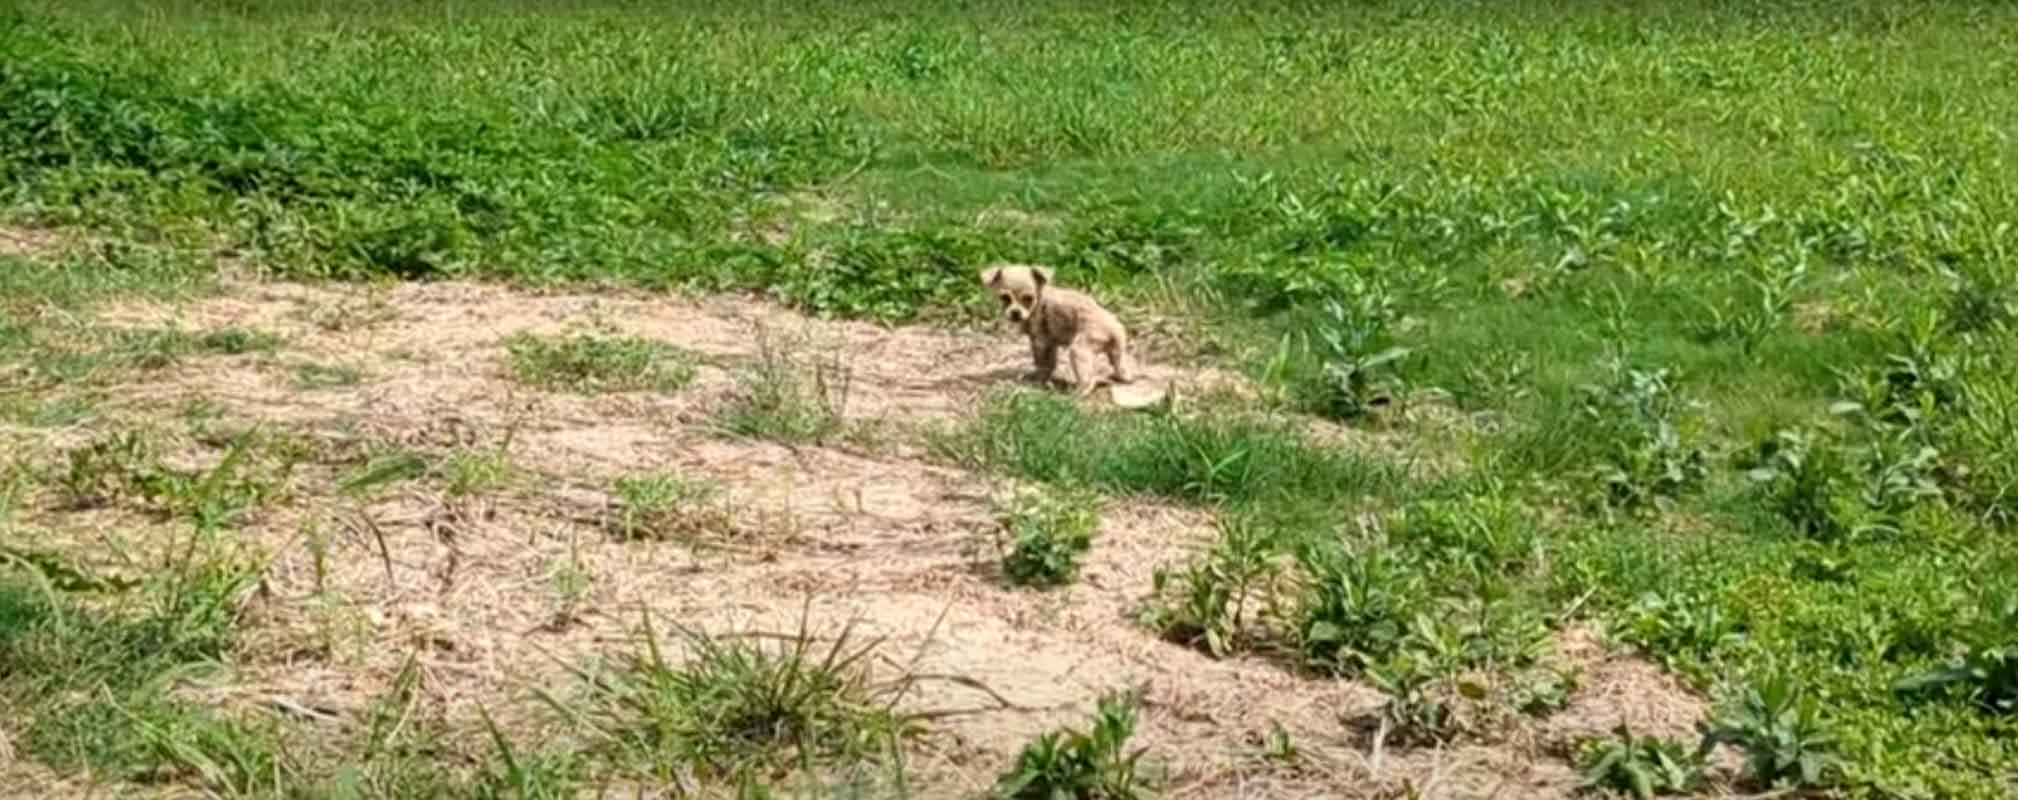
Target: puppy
[(1054, 318)]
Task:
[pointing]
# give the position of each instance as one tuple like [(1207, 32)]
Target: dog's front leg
[(1046, 356)]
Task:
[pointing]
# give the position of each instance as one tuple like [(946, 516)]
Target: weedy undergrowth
[(665, 505), (788, 394), (730, 709), (1043, 534), (1780, 730), (1091, 765), (1644, 767), (1215, 600), (593, 363)]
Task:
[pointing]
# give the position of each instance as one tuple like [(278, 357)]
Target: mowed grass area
[(1718, 298)]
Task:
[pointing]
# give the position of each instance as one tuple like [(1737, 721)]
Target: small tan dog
[(1055, 317)]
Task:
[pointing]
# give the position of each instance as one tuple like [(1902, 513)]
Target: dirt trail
[(874, 534)]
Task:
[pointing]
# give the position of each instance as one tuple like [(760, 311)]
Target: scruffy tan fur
[(1055, 317)]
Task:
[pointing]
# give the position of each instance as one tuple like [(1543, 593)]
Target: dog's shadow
[(999, 376), (1016, 376)]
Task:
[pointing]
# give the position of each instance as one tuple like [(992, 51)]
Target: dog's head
[(1018, 287)]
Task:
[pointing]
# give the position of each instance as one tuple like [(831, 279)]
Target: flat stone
[(1139, 394)]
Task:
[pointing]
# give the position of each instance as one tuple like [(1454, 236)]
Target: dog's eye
[(1005, 299)]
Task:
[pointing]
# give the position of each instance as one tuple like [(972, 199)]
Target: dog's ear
[(991, 276), (1043, 275)]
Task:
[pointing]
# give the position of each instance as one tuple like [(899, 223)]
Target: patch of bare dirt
[(28, 242), (1621, 689), (501, 595)]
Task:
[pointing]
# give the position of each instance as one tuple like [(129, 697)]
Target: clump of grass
[(312, 376), (473, 473), (148, 348), (789, 395), (126, 466), (385, 469), (87, 684), (1047, 532), (1093, 765), (665, 505), (552, 774), (591, 363), (237, 341), (106, 469), (1232, 458), (735, 709)]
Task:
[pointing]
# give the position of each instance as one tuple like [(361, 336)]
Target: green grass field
[(1715, 299)]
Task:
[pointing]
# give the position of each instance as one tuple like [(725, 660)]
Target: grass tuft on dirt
[(593, 363)]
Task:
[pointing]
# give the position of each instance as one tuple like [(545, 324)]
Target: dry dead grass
[(872, 534)]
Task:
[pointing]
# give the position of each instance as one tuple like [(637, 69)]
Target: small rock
[(1140, 394)]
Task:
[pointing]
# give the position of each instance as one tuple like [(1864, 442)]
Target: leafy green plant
[(1917, 383), (1345, 366), (1829, 492), (1781, 733), (1984, 440), (1644, 767), (1646, 462), (1541, 692), (1418, 708), (591, 363), (1987, 674), (1354, 609), (1496, 379), (1681, 629), (1491, 627), (1093, 765), (1748, 324), (1046, 533), (1212, 601), (1990, 676), (1486, 533)]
